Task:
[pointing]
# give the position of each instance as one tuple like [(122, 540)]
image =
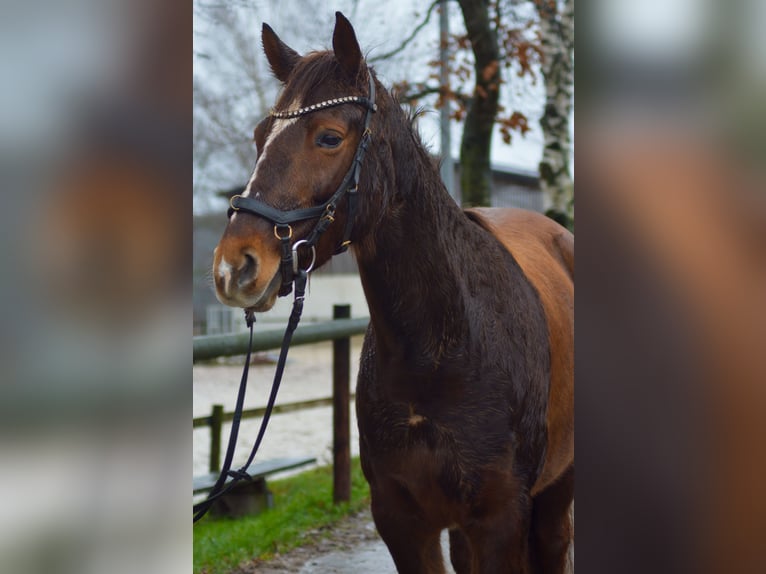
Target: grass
[(302, 503)]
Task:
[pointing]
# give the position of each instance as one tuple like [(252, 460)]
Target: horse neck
[(414, 258)]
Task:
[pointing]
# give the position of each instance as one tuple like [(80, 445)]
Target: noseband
[(324, 212)]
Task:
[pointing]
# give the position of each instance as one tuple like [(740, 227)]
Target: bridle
[(292, 273), (324, 212)]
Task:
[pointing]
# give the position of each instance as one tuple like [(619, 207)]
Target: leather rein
[(292, 273)]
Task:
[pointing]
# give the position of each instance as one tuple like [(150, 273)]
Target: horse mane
[(313, 72)]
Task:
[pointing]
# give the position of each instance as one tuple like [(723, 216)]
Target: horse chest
[(437, 455), (441, 429), (438, 418)]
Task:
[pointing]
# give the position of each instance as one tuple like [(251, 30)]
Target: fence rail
[(210, 419), (208, 347), (338, 330)]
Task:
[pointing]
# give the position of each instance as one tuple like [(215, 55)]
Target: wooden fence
[(339, 330)]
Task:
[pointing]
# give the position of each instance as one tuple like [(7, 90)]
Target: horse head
[(310, 149)]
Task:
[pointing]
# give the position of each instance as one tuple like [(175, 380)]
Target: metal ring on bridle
[(289, 232), (295, 256), (231, 202)]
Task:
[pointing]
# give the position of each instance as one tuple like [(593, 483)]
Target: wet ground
[(350, 547)]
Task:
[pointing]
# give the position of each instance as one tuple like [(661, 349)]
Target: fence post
[(216, 422), (341, 359)]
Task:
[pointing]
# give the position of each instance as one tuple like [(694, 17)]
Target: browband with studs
[(322, 105)]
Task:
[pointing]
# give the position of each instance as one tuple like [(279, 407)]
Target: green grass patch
[(302, 503)]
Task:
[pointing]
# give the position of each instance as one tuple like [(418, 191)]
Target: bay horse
[(465, 386)]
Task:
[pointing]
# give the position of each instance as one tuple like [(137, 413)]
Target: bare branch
[(409, 97), (409, 38)]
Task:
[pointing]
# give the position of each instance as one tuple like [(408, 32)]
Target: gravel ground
[(349, 547), (354, 535)]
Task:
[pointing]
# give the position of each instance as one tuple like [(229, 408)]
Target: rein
[(220, 487), (326, 211), (291, 274)]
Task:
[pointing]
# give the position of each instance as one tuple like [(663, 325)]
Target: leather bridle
[(291, 273), (324, 212)]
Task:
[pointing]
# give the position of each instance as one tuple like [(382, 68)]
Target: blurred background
[(95, 165), (113, 138), (671, 267)]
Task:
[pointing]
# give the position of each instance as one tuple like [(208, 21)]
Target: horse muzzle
[(243, 280)]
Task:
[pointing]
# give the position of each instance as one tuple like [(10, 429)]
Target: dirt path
[(351, 546)]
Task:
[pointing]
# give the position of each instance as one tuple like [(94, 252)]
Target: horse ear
[(345, 46), (281, 57)]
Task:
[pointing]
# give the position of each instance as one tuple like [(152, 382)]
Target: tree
[(233, 87), (498, 43), (233, 90), (557, 47), (482, 107), (506, 40)]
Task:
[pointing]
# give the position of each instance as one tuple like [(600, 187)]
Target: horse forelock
[(319, 76)]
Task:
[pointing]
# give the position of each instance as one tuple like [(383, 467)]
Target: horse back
[(545, 252)]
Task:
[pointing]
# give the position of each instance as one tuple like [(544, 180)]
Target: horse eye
[(329, 140)]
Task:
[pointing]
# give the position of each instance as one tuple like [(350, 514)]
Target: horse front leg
[(414, 544), (553, 528), (499, 541)]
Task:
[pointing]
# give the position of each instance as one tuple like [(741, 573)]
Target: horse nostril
[(248, 270)]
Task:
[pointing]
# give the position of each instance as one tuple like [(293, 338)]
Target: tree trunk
[(557, 43), (476, 144)]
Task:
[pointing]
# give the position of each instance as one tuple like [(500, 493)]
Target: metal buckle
[(231, 202), (289, 232), (295, 256)]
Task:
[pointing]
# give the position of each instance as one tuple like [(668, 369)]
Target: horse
[(465, 388)]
